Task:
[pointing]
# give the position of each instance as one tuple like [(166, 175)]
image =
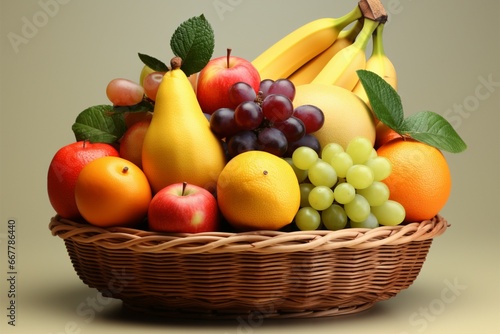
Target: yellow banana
[(301, 45), (341, 69), (378, 63), (307, 72)]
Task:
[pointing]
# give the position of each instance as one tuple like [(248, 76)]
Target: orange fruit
[(257, 190), (63, 172), (112, 191), (383, 134), (420, 179)]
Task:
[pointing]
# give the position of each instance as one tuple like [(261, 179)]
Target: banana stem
[(351, 33), (343, 21), (374, 10), (378, 44), (366, 33)]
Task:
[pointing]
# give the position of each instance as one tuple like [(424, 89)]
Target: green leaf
[(425, 126), (142, 106), (99, 124), (433, 129), (153, 63), (385, 101), (194, 42)]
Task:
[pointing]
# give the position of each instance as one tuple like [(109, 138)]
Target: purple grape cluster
[(267, 120)]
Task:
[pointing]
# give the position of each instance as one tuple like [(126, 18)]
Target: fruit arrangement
[(309, 135)]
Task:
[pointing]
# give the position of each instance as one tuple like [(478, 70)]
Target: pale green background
[(441, 49)]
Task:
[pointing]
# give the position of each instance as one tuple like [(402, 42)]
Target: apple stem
[(184, 185), (228, 56), (125, 170)]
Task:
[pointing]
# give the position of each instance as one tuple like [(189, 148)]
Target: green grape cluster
[(344, 188)]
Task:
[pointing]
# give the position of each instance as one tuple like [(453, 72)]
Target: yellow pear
[(179, 145)]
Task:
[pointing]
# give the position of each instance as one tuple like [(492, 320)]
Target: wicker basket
[(265, 273)]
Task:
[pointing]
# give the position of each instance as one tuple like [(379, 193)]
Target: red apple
[(63, 172), (215, 79), (183, 208), (133, 117), (131, 142)]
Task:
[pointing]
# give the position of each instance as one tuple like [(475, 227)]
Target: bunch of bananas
[(331, 50)]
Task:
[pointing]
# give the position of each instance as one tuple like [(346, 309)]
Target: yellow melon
[(346, 115)]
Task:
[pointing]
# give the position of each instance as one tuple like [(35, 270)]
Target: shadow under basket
[(266, 273)]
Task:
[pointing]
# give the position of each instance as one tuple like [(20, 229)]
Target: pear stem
[(184, 185), (228, 56), (176, 63)]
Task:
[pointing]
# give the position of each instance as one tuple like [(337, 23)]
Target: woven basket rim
[(255, 241)]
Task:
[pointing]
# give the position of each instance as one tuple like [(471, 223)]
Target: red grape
[(308, 140), (277, 108), (151, 83), (312, 117), (124, 92), (248, 115), (273, 141), (241, 142), (264, 86), (241, 92), (293, 128), (283, 87), (222, 123)]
